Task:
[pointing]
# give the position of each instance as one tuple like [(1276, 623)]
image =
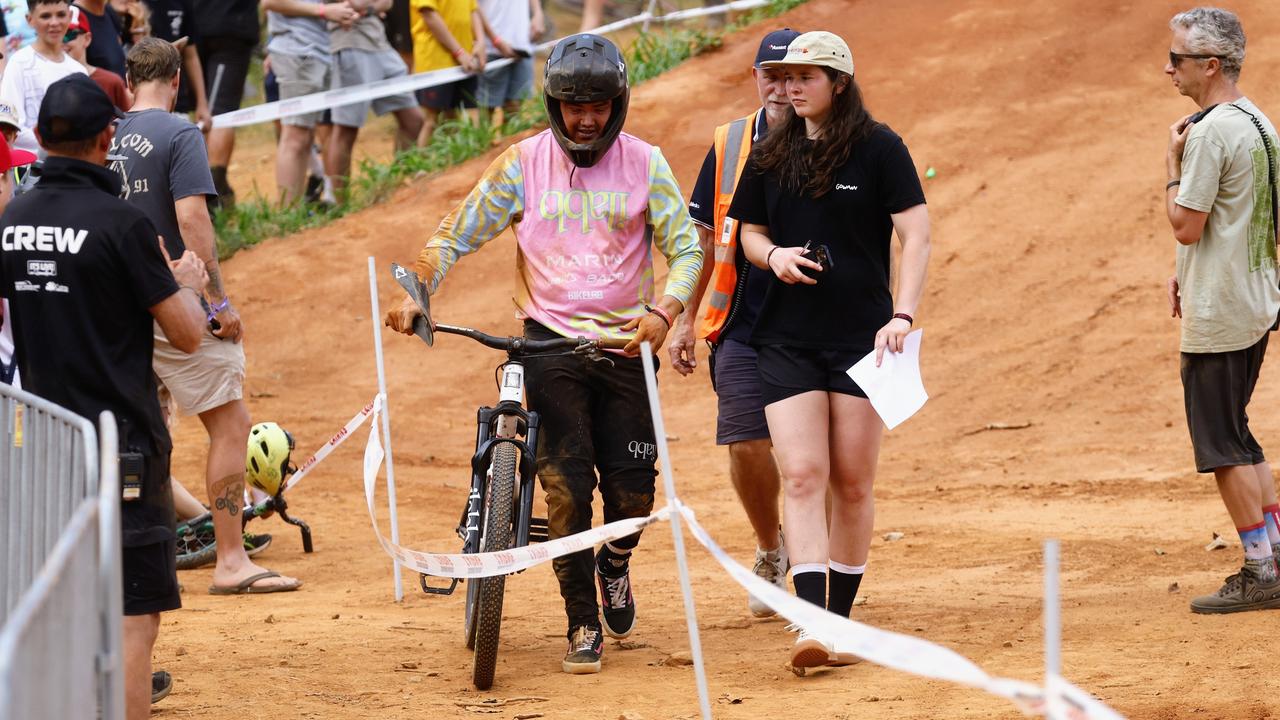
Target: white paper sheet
[(895, 389)]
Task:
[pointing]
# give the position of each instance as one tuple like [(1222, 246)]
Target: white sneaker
[(771, 566), (809, 651)]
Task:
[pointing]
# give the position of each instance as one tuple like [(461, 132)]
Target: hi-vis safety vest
[(732, 146)]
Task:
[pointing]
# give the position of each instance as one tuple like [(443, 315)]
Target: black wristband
[(770, 256), (1172, 184), (903, 316)]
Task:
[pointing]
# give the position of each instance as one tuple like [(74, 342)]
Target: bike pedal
[(422, 580), (538, 531)]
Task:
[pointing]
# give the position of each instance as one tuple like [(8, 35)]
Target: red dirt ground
[(1046, 123)]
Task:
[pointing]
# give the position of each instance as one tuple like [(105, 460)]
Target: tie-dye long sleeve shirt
[(583, 234)]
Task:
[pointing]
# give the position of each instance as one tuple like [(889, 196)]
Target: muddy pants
[(595, 417)]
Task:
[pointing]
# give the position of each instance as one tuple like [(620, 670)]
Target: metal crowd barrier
[(60, 597)]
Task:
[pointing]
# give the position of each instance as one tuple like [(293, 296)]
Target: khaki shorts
[(210, 377)]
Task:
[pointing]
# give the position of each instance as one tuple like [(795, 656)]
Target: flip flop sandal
[(161, 686), (247, 587)]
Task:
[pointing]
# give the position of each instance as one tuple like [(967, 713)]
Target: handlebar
[(524, 346)]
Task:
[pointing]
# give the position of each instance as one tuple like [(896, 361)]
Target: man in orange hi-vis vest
[(737, 291)]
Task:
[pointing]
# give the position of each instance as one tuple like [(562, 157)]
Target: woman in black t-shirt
[(819, 201)]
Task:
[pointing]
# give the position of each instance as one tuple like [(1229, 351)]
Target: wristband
[(459, 53), (666, 316), (1172, 184), (217, 308), (320, 10), (903, 316), (769, 257)]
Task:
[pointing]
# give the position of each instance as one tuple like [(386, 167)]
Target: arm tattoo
[(215, 281)]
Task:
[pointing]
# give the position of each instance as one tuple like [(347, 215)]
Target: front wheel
[(498, 515)]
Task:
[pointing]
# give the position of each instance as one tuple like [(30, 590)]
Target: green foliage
[(457, 141)]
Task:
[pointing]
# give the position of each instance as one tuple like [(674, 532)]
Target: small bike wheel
[(499, 511)]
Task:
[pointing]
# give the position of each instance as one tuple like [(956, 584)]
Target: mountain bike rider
[(583, 199)]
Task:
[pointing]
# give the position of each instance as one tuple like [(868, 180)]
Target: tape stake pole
[(669, 485), (1052, 632), (376, 315), (653, 5)]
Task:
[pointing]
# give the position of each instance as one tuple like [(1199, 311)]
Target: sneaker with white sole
[(586, 644), (772, 566), (809, 651), (617, 604)]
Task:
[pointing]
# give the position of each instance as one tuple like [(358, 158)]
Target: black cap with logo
[(74, 108), (774, 45)]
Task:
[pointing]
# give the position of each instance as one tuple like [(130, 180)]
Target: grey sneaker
[(772, 566), (1245, 590), (586, 644)]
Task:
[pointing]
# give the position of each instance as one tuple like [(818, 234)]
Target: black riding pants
[(595, 418)]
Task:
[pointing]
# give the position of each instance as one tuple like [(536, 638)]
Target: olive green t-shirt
[(1228, 279)]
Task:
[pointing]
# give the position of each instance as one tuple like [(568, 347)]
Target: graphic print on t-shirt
[(1262, 234)]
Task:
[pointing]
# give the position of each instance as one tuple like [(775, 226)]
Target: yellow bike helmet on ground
[(267, 463)]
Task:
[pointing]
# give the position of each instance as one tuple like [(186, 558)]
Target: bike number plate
[(512, 383)]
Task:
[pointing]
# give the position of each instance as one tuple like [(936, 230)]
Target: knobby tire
[(498, 530)]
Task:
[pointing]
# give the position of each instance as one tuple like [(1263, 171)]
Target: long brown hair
[(809, 168)]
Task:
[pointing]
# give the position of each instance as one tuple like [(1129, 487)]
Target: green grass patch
[(457, 141)]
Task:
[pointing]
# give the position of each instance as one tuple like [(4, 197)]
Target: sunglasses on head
[(1175, 58)]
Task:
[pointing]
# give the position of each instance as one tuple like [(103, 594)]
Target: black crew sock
[(811, 587), (844, 588), (611, 563)]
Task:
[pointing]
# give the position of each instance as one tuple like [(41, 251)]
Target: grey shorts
[(1216, 388), (737, 383), (299, 75), (352, 68), (507, 84)]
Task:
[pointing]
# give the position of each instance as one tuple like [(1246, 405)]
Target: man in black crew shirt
[(85, 273)]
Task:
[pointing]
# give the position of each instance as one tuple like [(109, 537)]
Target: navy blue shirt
[(105, 50)]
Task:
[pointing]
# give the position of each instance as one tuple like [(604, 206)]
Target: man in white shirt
[(34, 68)]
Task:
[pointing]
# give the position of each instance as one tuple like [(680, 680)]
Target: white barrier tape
[(329, 99), (893, 650), (1068, 702), (900, 652), (475, 565), (338, 438)]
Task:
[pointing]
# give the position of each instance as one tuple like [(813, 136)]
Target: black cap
[(774, 45), (74, 108)]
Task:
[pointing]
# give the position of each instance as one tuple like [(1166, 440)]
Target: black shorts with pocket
[(151, 578), (450, 96), (225, 60), (786, 371), (1216, 388)]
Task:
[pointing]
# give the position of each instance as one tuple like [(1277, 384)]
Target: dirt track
[(1046, 123)]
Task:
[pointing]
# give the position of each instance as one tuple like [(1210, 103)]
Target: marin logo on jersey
[(42, 238), (580, 209)]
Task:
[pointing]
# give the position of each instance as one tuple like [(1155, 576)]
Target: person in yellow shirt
[(446, 33)]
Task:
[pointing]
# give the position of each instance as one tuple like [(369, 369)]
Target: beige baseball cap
[(8, 116), (817, 48)]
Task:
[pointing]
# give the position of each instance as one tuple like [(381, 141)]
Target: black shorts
[(786, 371), (737, 383), (233, 56), (151, 578), (1216, 388), (460, 93)]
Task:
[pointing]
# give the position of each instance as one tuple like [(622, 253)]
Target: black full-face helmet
[(586, 68)]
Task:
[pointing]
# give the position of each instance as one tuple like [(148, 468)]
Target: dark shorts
[(151, 578), (461, 93), (786, 371), (230, 58), (737, 384), (1216, 388)]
